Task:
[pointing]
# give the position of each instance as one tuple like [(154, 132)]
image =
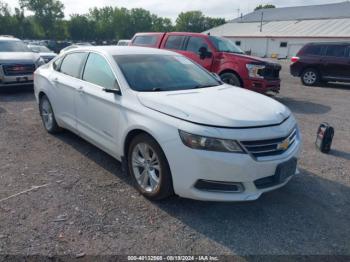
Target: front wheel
[(310, 77), (231, 79), (149, 168)]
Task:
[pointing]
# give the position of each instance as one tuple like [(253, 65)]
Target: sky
[(228, 9)]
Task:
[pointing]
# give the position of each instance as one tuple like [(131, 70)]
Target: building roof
[(322, 28), (328, 11)]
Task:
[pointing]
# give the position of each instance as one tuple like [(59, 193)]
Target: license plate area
[(286, 170)]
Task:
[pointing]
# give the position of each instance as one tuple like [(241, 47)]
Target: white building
[(281, 32)]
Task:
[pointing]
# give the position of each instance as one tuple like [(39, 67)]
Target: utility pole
[(261, 23)]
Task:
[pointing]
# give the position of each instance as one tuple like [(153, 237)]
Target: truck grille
[(271, 147), (18, 69), (271, 72)]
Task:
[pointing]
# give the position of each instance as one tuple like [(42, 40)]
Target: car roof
[(125, 50), (8, 38), (330, 43), (172, 33)]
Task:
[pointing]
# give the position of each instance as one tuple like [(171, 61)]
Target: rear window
[(314, 50), (72, 63), (148, 40), (174, 42), (336, 50)]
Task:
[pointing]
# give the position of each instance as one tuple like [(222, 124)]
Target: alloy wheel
[(146, 167)]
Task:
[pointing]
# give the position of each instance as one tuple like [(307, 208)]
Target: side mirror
[(114, 90), (204, 53)]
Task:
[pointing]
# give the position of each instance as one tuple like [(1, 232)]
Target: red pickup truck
[(220, 56)]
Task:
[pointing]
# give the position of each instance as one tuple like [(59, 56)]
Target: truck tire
[(231, 79)]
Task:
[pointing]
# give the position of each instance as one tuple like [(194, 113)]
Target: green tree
[(195, 21), (160, 24), (267, 6), (47, 13)]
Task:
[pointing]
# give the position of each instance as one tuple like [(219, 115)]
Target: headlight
[(40, 62), (210, 143), (255, 70)]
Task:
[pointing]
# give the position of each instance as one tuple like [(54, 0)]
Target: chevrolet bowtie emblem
[(284, 145)]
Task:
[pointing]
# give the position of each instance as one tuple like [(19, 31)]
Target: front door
[(98, 112), (193, 48)]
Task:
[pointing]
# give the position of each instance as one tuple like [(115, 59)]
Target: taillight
[(294, 59)]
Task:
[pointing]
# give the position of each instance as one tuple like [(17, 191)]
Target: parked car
[(123, 42), (76, 45), (17, 62), (220, 56), (43, 51), (176, 127), (322, 62)]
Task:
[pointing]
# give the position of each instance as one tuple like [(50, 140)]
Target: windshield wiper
[(203, 86)]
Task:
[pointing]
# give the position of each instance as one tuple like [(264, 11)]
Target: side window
[(195, 43), (314, 50), (336, 50), (283, 44), (98, 72), (174, 42), (147, 40), (72, 63), (56, 64)]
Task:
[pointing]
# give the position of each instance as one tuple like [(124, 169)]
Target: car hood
[(18, 57), (253, 59), (48, 54), (223, 106)]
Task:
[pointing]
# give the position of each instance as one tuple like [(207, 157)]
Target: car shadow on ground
[(107, 162), (308, 216), (337, 85), (340, 154), (304, 107), (17, 94)]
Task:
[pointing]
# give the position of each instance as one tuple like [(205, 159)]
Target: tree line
[(47, 21)]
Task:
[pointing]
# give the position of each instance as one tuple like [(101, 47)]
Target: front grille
[(18, 69), (271, 147), (271, 72), (217, 186)]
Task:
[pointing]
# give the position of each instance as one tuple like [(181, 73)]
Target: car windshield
[(13, 46), (225, 45), (40, 49), (147, 73)]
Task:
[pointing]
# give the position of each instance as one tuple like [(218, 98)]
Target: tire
[(231, 79), (152, 178), (48, 116), (310, 77)]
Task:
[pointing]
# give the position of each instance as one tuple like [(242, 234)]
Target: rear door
[(65, 79), (335, 63), (98, 112)]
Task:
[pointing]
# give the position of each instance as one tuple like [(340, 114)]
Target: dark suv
[(322, 62)]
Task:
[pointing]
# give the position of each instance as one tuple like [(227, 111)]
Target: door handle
[(55, 80), (81, 90)]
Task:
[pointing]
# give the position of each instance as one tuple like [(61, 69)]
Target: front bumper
[(189, 166), (21, 80), (262, 85)]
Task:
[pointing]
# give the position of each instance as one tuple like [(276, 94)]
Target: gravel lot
[(88, 206)]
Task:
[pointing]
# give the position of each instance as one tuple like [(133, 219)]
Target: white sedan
[(178, 128)]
